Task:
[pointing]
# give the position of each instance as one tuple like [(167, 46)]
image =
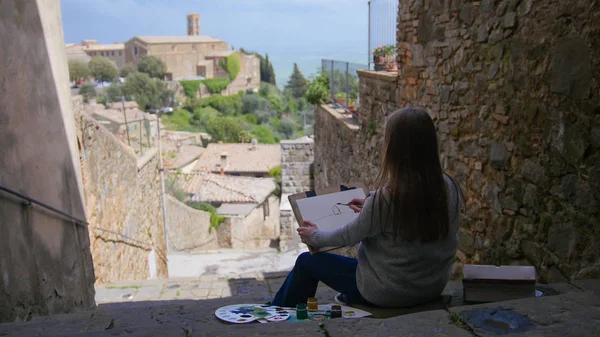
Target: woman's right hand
[(356, 204)]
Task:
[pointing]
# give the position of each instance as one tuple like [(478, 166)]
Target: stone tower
[(193, 23)]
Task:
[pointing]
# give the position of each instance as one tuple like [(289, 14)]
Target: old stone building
[(91, 48), (514, 90)]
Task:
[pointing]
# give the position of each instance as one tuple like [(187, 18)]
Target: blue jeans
[(336, 271)]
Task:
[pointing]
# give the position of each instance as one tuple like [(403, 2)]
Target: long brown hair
[(412, 180)]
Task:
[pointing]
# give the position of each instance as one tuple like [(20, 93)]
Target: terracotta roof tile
[(213, 188), (240, 158)]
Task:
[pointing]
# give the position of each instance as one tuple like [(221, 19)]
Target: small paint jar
[(336, 311), (312, 304), (301, 312), (328, 313)]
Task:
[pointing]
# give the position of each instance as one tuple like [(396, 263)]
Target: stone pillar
[(45, 263), (297, 157)]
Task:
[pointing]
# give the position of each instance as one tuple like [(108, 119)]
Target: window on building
[(266, 210), (174, 48), (135, 51), (194, 47), (101, 53), (120, 53), (113, 53)]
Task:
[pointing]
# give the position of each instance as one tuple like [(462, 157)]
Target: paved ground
[(231, 263), (574, 311)]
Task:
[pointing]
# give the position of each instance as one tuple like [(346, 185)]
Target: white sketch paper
[(325, 212)]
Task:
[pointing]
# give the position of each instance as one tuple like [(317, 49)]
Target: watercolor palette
[(248, 313)]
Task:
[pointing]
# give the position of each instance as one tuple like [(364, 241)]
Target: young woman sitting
[(407, 229)]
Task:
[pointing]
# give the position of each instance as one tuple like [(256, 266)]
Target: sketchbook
[(326, 208)]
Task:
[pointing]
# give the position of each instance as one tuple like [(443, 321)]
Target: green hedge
[(216, 85), (191, 87)]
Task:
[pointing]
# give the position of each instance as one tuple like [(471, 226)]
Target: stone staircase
[(574, 309)]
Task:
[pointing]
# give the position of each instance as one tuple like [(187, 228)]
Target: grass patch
[(124, 287)]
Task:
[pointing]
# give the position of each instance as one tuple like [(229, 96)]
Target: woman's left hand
[(306, 230)]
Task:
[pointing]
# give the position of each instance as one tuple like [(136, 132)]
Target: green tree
[(263, 134), (252, 103), (78, 70), (153, 66), (262, 116), (126, 70), (276, 103), (103, 69), (225, 129), (287, 127), (270, 72), (303, 104), (147, 92), (114, 93), (291, 105), (267, 89), (297, 84)]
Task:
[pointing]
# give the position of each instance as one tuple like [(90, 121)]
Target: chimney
[(178, 145), (223, 161), (254, 143)]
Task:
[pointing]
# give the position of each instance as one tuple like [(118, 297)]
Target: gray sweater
[(395, 273)]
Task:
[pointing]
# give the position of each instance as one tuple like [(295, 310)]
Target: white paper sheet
[(324, 211)]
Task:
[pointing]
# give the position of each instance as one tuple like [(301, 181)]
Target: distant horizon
[(341, 32)]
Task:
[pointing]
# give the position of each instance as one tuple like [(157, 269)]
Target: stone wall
[(188, 229), (123, 205), (258, 229), (45, 262), (514, 90), (514, 87), (348, 151)]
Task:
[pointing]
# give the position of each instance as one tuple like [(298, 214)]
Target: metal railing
[(45, 206), (343, 84), (383, 24)]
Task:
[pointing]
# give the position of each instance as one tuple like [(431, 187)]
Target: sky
[(301, 31)]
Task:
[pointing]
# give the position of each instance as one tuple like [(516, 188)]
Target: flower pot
[(392, 67), (380, 61)]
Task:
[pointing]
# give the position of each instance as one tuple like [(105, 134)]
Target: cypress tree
[(297, 84)]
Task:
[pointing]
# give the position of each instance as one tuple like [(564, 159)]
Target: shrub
[(263, 117), (263, 134), (250, 119), (227, 105), (87, 91), (225, 129), (252, 103), (216, 85), (191, 87), (275, 172), (101, 100), (267, 89), (201, 116), (318, 90), (215, 219), (232, 65), (178, 120), (287, 127)]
